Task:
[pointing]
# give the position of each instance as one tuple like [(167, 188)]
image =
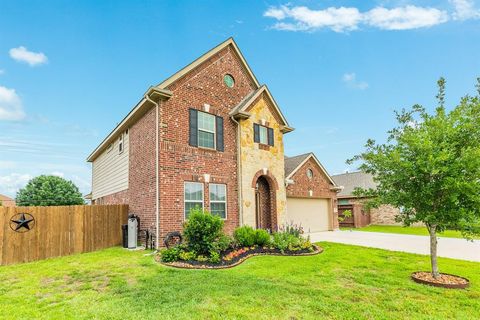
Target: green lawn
[(420, 231), (344, 282)]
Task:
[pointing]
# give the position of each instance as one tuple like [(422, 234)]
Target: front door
[(263, 205)]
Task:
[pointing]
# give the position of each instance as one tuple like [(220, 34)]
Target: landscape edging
[(318, 250)]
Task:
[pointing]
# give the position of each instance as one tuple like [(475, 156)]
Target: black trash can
[(125, 235)]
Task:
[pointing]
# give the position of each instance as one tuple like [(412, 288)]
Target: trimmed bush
[(262, 237), (284, 240), (170, 255), (223, 243), (244, 236), (202, 230)]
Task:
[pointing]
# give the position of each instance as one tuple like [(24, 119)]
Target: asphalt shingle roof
[(352, 180), (291, 163)]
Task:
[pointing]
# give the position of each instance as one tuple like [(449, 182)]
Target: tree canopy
[(430, 166), (48, 190)]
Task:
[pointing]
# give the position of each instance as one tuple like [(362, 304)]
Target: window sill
[(262, 146), (207, 149)]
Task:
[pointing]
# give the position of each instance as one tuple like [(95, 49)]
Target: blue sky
[(70, 70)]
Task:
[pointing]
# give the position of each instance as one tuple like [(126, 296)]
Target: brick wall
[(178, 161), (319, 184), (384, 214), (114, 198)]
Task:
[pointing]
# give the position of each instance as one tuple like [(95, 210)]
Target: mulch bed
[(444, 281), (257, 251)]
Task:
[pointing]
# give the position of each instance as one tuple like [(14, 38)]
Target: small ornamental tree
[(49, 191), (430, 168)]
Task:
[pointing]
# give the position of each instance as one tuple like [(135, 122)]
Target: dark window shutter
[(256, 133), (219, 127), (193, 124), (270, 136)]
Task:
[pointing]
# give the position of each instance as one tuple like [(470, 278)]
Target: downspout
[(157, 180), (239, 172)]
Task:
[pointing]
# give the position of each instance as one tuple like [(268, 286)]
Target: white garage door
[(312, 214)]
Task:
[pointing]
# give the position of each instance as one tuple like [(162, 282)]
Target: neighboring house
[(311, 194), (6, 201), (385, 214), (209, 136)]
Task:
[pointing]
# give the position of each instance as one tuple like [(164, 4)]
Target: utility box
[(132, 232)]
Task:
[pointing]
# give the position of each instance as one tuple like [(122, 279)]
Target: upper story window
[(309, 174), (120, 144), (229, 80), (205, 130), (193, 196), (263, 135)]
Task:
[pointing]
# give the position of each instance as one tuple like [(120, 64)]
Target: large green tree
[(49, 191), (430, 168)]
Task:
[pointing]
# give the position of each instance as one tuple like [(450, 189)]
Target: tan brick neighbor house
[(6, 201), (383, 215), (210, 136)]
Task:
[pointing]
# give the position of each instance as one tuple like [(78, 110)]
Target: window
[(263, 135), (228, 80), (120, 144), (218, 200), (193, 194), (309, 173), (206, 130)]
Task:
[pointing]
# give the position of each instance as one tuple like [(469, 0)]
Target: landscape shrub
[(244, 236), (170, 255), (202, 230), (262, 237), (214, 257), (284, 240), (187, 255), (223, 243), (293, 229)]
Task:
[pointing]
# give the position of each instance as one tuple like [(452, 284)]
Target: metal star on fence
[(23, 222)]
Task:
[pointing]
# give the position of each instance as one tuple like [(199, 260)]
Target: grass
[(344, 282), (419, 231)]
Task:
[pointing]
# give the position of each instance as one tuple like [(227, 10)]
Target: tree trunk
[(433, 250)]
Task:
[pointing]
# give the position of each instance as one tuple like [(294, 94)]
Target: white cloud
[(22, 54), (351, 80), (304, 19), (11, 183), (344, 19), (465, 9), (405, 18), (11, 107)]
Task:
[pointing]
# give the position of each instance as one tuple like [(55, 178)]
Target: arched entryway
[(263, 210), (265, 186)]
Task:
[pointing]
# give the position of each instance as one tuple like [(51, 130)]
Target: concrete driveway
[(447, 247)]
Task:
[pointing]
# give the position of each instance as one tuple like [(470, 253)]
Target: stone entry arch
[(265, 186)]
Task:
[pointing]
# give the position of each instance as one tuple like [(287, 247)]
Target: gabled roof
[(5, 198), (292, 164), (352, 180), (160, 92), (164, 84), (241, 108)]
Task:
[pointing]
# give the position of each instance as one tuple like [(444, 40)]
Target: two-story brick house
[(209, 136)]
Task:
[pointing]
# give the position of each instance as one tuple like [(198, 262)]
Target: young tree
[(430, 168), (49, 191)]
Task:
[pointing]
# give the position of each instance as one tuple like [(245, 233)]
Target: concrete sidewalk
[(447, 247)]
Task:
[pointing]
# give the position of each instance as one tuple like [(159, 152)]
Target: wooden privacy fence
[(35, 233)]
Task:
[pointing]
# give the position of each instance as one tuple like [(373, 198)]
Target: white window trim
[(214, 131), (120, 144), (191, 201), (260, 136), (216, 201)]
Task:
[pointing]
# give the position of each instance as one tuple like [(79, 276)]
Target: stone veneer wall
[(255, 157), (385, 215)]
